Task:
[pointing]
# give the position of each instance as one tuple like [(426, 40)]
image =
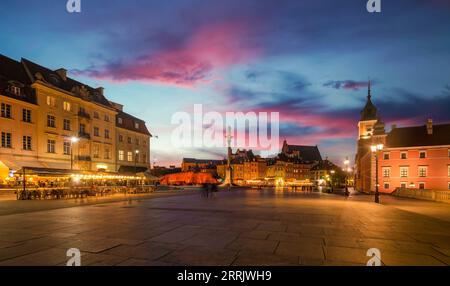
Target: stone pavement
[(238, 228)]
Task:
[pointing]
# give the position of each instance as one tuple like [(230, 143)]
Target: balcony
[(84, 135), (84, 114), (83, 158)]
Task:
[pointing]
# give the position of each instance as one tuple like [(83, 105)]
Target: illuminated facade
[(49, 120)]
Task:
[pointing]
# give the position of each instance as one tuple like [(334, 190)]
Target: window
[(129, 140), (119, 120), (51, 146), (137, 141), (51, 101), (106, 133), (120, 138), (449, 186), (386, 186), (136, 125), (121, 155), (66, 124), (15, 90), (67, 106), (386, 156), (144, 158), (6, 110), (106, 117), (96, 116), (386, 172), (107, 153), (422, 154), (130, 156), (404, 172), (423, 171), (26, 142), (96, 151), (66, 147), (422, 186), (6, 140), (403, 185), (96, 131), (448, 171), (404, 155), (26, 115), (82, 129), (51, 121)]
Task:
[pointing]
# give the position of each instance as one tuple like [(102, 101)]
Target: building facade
[(49, 120), (416, 157)]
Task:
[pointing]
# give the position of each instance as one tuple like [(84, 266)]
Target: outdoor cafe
[(45, 183)]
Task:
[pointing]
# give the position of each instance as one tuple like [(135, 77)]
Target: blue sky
[(308, 60)]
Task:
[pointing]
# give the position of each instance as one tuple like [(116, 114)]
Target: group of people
[(208, 190)]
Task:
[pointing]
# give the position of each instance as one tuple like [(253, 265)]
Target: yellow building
[(132, 143), (49, 120)]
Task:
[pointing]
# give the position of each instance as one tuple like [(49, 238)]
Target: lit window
[(448, 171), (423, 171), (66, 147), (121, 155), (386, 156), (6, 140), (26, 143), (96, 151), (386, 172), (26, 115), (66, 124), (51, 121), (404, 172), (404, 155), (67, 106), (130, 156), (51, 101), (51, 146), (6, 110), (107, 153), (422, 154)]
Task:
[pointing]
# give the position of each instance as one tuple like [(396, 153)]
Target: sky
[(309, 60)]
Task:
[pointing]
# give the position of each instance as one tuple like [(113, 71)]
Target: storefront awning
[(16, 164)]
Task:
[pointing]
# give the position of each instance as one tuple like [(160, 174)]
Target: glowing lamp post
[(347, 170), (375, 149), (73, 140), (135, 160)]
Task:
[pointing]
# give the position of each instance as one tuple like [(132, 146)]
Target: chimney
[(100, 90), (62, 73), (430, 126)]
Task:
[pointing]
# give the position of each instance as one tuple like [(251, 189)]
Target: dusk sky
[(308, 60)]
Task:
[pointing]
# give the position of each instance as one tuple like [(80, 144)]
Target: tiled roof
[(418, 136), (12, 71), (76, 88), (128, 122), (307, 153)]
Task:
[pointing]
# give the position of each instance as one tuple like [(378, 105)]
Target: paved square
[(245, 227)]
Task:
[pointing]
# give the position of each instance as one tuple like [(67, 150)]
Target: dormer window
[(15, 90), (120, 120), (136, 125)]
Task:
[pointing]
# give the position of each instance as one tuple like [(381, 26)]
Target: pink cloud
[(210, 47)]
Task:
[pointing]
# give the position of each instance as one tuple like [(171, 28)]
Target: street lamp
[(347, 170), (73, 140), (374, 149), (136, 152)]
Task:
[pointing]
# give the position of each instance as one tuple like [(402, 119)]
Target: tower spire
[(369, 95)]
